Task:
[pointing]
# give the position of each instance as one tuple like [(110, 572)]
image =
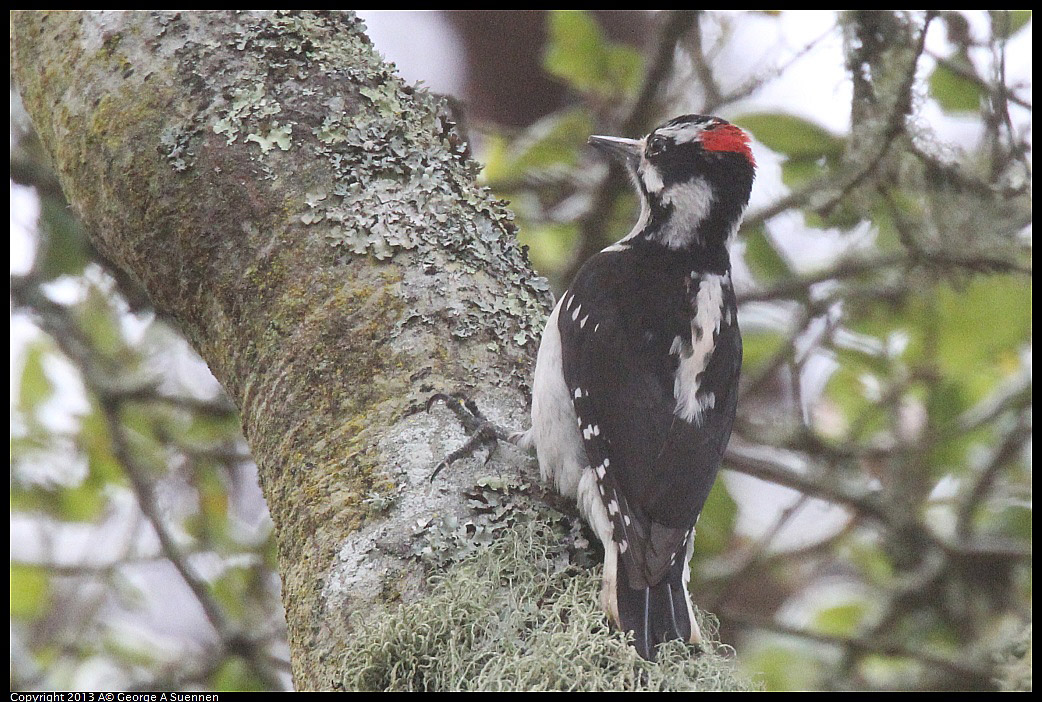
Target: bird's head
[(693, 174)]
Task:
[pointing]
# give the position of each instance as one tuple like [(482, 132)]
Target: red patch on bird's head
[(727, 138)]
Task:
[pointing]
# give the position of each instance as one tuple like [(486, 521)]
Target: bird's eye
[(656, 145)]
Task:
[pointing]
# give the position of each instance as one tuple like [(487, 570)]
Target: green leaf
[(946, 401), (495, 159), (845, 215), (128, 650), (793, 136), (549, 244), (230, 590), (94, 438), (210, 522), (888, 238), (64, 244), (204, 428), (980, 328), (871, 561), (862, 359), (1006, 23), (840, 620), (847, 388), (34, 387), (234, 675), (783, 668), (953, 92), (716, 523), (554, 140), (83, 503), (797, 172), (30, 590), (973, 333), (758, 346), (1013, 520), (762, 256), (578, 53), (80, 503), (101, 322)]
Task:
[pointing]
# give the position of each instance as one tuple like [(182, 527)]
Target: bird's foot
[(481, 431)]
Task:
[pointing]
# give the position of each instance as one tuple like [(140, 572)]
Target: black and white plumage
[(636, 380)]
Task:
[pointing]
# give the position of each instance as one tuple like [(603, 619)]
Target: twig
[(866, 646), (845, 268), (759, 463), (78, 348), (1005, 452)]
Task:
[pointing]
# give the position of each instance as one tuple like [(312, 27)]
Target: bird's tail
[(660, 612)]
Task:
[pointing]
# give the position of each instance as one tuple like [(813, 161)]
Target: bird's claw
[(482, 431)]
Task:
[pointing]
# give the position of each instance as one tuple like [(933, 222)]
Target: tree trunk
[(312, 225)]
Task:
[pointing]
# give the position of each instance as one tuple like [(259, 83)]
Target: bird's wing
[(623, 361)]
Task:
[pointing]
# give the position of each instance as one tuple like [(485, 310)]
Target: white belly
[(558, 444), (562, 457)]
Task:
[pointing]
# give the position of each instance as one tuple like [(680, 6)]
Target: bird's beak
[(626, 150)]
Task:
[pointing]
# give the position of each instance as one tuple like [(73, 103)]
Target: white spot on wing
[(591, 430), (677, 345), (708, 400)]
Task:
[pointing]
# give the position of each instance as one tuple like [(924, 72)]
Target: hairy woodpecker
[(637, 374)]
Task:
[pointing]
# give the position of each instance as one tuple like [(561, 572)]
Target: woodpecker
[(636, 378)]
